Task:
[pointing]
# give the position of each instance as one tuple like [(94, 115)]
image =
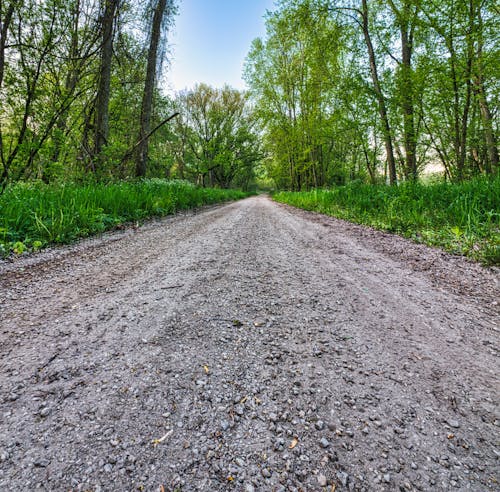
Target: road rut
[(248, 346)]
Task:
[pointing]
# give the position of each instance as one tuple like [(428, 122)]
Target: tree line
[(377, 90), (339, 90), (80, 97)]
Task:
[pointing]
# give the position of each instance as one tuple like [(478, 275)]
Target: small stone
[(224, 425), (324, 443), (265, 473), (108, 468), (453, 423), (322, 481), (239, 410), (249, 487), (273, 417), (4, 456), (343, 477), (387, 478), (44, 412), (41, 463), (319, 425)]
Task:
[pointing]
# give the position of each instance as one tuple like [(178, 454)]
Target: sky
[(211, 39)]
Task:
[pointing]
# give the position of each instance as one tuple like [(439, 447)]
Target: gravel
[(248, 346)]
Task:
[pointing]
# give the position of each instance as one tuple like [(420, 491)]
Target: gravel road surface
[(248, 347)]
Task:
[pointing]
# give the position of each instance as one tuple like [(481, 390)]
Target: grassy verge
[(35, 215), (460, 218)]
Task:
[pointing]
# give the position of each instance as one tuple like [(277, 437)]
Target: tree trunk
[(72, 79), (4, 29), (489, 135), (407, 103), (103, 91), (149, 85), (380, 97)]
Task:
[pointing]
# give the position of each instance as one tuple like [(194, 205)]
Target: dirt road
[(248, 347)]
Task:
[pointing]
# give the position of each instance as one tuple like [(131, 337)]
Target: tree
[(218, 144), (110, 9), (163, 12)]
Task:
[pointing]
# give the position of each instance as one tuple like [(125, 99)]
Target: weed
[(33, 215)]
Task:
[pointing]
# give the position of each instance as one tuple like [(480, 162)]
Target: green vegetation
[(376, 91), (460, 218), (34, 215)]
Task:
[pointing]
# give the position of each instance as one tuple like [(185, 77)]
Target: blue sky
[(211, 39)]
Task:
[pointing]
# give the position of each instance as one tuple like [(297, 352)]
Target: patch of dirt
[(250, 347)]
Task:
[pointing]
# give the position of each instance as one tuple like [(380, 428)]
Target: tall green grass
[(460, 218), (33, 215)]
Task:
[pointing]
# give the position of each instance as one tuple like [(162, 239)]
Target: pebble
[(322, 481), (343, 478), (387, 478), (44, 412), (41, 463), (224, 425), (324, 443), (453, 423), (249, 487), (319, 425), (265, 473)]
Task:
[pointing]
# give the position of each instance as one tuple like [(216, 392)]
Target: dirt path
[(248, 347)]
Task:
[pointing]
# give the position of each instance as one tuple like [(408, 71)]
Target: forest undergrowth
[(34, 215), (460, 218)]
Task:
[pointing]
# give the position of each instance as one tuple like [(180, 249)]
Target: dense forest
[(80, 92), (376, 90), (339, 90)]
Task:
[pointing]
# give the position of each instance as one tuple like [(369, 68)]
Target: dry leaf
[(158, 441), (257, 400), (244, 399), (206, 369), (294, 443), (162, 488), (230, 478), (450, 436), (333, 487)]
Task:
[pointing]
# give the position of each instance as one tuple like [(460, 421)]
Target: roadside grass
[(34, 215), (460, 218)]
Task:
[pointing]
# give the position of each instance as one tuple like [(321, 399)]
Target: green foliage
[(216, 142), (33, 215), (461, 218)]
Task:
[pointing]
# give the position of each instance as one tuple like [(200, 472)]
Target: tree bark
[(380, 97), (149, 85), (103, 91), (489, 135)]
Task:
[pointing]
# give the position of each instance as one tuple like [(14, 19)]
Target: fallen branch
[(131, 151)]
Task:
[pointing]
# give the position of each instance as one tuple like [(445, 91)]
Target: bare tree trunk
[(489, 135), (72, 78), (380, 97), (408, 110), (149, 85), (5, 21), (404, 18), (103, 91)]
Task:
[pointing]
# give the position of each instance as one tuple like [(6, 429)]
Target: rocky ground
[(248, 347)]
